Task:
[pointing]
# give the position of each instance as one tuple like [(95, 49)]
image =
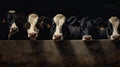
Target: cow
[(38, 28), (60, 30), (87, 27), (9, 27), (30, 25), (74, 25), (115, 24), (13, 29), (13, 26), (101, 27)]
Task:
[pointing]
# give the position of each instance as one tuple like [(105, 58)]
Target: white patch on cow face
[(33, 31), (87, 37), (11, 11), (59, 20), (13, 27), (115, 23)]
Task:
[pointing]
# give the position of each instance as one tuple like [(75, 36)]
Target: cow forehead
[(32, 18), (59, 19), (114, 19)]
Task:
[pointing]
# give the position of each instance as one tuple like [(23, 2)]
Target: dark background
[(67, 7)]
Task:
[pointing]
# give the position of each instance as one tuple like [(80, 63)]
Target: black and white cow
[(114, 23), (32, 30), (38, 28), (12, 27), (74, 26), (101, 27), (60, 30), (87, 26), (11, 17), (9, 27)]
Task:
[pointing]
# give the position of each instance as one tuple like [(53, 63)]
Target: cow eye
[(27, 25), (37, 25)]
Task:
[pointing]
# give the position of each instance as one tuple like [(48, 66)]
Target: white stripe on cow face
[(13, 27), (115, 22), (33, 31), (59, 20)]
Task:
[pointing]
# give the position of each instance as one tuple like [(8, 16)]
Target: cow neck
[(115, 28)]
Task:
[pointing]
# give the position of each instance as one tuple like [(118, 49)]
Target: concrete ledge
[(67, 53)]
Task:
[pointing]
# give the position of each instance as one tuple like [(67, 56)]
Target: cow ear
[(4, 20)]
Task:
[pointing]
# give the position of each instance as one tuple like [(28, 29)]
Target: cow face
[(87, 28), (11, 17), (115, 23), (59, 20), (32, 30), (101, 28), (13, 28)]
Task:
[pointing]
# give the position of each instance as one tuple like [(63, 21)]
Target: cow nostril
[(32, 34), (57, 36), (14, 29)]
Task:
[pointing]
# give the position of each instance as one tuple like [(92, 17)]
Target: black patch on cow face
[(109, 28), (118, 28), (27, 25)]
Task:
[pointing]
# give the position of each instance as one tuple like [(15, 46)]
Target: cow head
[(32, 29), (59, 20), (115, 23), (11, 17), (101, 28), (87, 27)]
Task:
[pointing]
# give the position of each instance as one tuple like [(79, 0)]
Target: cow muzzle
[(13, 30), (32, 36), (58, 37), (87, 37), (115, 37)]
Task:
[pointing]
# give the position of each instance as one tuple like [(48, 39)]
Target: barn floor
[(67, 53)]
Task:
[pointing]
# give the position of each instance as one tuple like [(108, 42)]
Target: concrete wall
[(69, 53)]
